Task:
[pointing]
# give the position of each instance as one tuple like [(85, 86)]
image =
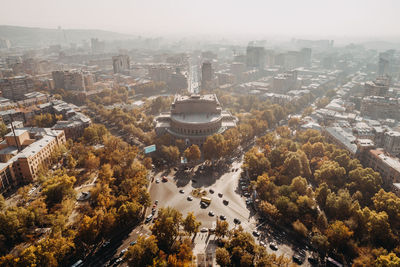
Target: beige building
[(193, 118), (386, 165), (22, 154), (16, 87)]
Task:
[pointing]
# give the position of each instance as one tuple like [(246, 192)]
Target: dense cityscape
[(142, 150)]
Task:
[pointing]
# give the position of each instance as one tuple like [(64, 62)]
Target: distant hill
[(26, 36)]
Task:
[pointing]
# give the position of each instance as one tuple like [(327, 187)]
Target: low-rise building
[(74, 126), (378, 107)]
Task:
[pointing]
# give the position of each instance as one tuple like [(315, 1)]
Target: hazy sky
[(367, 18)]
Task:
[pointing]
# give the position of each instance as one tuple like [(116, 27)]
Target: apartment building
[(23, 151), (16, 87)]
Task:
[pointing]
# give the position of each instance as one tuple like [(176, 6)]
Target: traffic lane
[(168, 195)]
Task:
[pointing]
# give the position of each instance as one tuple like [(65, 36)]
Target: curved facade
[(194, 118)]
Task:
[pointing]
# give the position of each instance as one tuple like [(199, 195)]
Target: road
[(193, 81), (168, 195)]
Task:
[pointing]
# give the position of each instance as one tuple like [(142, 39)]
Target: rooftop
[(195, 117), (388, 160)]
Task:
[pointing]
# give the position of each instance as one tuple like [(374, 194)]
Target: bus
[(206, 200)]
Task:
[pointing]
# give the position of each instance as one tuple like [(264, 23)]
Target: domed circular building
[(193, 118)]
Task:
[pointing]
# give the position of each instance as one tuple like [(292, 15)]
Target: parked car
[(236, 221), (256, 233), (299, 259), (211, 191), (225, 201), (123, 252), (157, 181), (273, 246), (132, 243), (182, 191), (189, 198), (203, 230), (211, 213), (222, 217), (220, 194)]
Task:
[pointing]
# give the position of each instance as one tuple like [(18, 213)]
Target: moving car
[(211, 191), (256, 233), (211, 213), (148, 218), (132, 243), (236, 221), (220, 194), (222, 217), (157, 181), (182, 191), (225, 201), (189, 198)]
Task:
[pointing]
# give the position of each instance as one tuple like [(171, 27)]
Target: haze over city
[(369, 19), (199, 133)]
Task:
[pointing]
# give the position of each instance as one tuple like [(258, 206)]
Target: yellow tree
[(192, 153)]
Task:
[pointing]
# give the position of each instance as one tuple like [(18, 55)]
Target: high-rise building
[(160, 73), (379, 87), (391, 142), (97, 46), (385, 62), (206, 75), (178, 81), (120, 63), (14, 88), (5, 44), (69, 80), (255, 57), (306, 57)]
